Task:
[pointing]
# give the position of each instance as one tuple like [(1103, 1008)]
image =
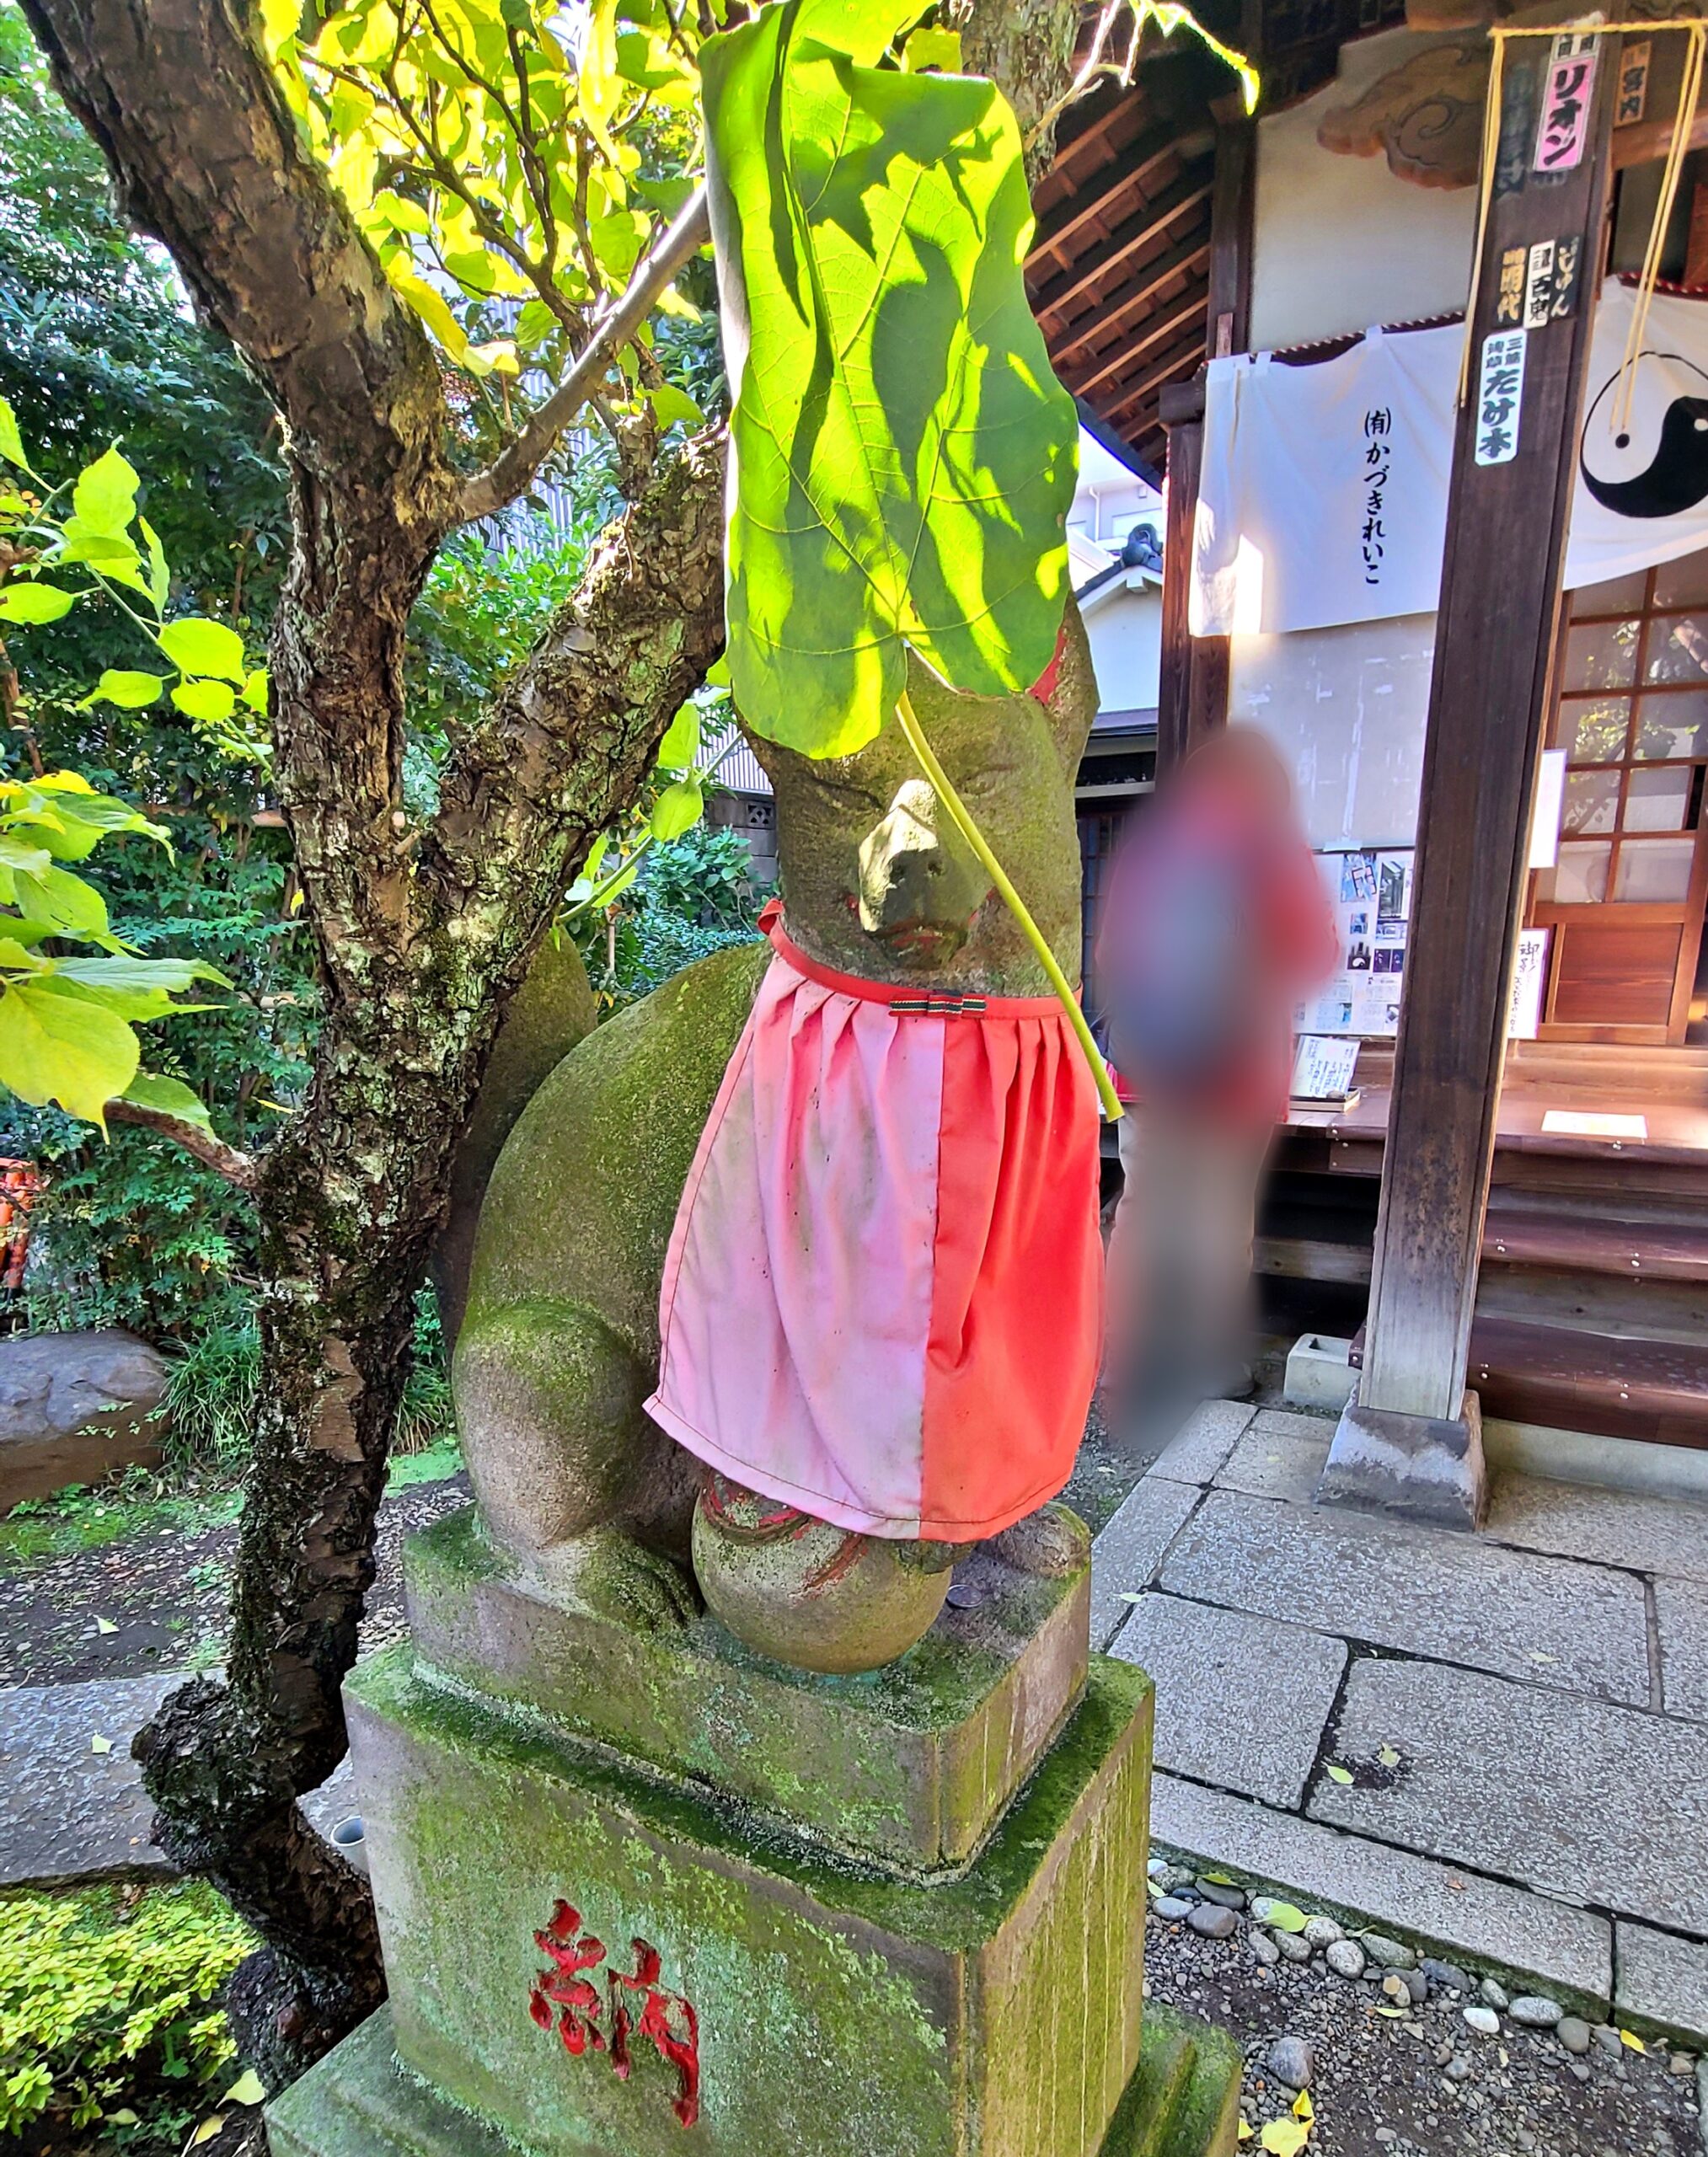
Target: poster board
[(1369, 893)]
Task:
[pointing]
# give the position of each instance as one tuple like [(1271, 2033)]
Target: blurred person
[(1215, 924)]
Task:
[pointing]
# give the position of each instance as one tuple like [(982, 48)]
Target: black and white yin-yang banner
[(1642, 486), (1324, 492)]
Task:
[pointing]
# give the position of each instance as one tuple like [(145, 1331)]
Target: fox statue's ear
[(1067, 687)]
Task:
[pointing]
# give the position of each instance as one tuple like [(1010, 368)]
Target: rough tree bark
[(422, 935)]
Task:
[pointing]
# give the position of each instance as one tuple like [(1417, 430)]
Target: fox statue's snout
[(919, 884)]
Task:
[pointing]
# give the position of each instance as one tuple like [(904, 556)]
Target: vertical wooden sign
[(1510, 496)]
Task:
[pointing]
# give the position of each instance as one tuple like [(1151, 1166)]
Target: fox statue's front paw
[(610, 1575), (1049, 1544)]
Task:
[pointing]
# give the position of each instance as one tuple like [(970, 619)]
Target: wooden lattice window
[(1624, 901)]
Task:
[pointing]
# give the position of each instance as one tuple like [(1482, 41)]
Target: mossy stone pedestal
[(675, 1899)]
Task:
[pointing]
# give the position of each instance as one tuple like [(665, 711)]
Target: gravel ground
[(1380, 2085), (166, 1595)]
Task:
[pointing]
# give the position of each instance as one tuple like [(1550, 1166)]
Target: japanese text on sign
[(1500, 397), (1564, 127), (564, 1996), (1633, 84), (1379, 430)]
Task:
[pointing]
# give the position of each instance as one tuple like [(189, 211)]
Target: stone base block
[(1425, 1469), (590, 1962), (1183, 2101), (1319, 1372), (909, 1766)]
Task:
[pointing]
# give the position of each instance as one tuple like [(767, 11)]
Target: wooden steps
[(1569, 1243), (1581, 1381)]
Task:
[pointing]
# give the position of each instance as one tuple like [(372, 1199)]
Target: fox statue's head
[(876, 880)]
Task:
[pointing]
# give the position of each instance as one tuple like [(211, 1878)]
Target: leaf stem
[(1016, 906)]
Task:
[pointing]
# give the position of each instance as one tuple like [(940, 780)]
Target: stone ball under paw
[(804, 1592)]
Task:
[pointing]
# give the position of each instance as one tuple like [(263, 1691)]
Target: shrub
[(103, 1989)]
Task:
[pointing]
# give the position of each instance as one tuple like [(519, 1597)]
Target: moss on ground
[(132, 1503)]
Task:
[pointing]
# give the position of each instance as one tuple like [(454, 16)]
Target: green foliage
[(704, 879), (904, 456), (215, 1385), (527, 159), (101, 1988), (66, 1018), (97, 344), (426, 1422), (694, 896), (133, 1502)]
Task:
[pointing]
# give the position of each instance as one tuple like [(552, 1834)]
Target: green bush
[(104, 1992), (211, 1395)]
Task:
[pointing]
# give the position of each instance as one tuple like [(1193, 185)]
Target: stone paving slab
[(1610, 1527), (1596, 1803), (1284, 1464), (1681, 1625), (1130, 1546), (1465, 1916), (68, 1812), (1661, 1982), (1240, 1701), (1424, 1590), (1203, 1442)]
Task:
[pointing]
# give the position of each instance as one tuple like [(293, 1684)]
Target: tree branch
[(510, 472), (575, 729), (237, 1167), (179, 98)]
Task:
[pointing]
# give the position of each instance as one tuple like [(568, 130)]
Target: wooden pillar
[(1178, 727), (1411, 1440), (1192, 696)]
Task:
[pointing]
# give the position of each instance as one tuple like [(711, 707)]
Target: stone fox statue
[(559, 1352)]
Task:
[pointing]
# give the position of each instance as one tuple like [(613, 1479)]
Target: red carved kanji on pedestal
[(561, 1997)]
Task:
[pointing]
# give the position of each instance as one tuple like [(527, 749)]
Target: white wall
[(1125, 634), (1347, 709), (1338, 242)]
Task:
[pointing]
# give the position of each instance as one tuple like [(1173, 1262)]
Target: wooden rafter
[(1105, 322), (1177, 361), (1114, 387), (1191, 192), (1107, 191)]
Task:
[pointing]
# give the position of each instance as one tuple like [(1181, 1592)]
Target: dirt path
[(163, 1597)]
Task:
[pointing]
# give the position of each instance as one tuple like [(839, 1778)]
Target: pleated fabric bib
[(883, 1301)]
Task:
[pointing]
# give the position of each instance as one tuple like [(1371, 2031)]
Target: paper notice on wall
[(1370, 894), (1530, 974)]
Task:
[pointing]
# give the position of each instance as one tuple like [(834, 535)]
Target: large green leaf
[(169, 1097), (74, 908), (200, 646), (904, 457), (105, 498), (35, 603), (56, 1046)]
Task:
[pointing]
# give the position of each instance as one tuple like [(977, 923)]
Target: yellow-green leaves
[(493, 150), (196, 645), (11, 442), (904, 458), (100, 548), (34, 603), (126, 687), (103, 500), (677, 809), (55, 1045)]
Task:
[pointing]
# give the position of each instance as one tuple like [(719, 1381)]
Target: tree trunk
[(351, 1200)]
